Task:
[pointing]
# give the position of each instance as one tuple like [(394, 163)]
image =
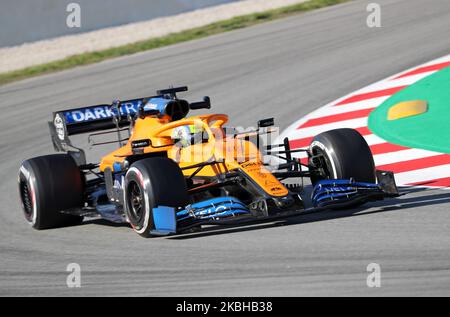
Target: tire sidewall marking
[(145, 184), (30, 179)]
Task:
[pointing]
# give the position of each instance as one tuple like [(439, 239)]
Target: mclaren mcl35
[(172, 173)]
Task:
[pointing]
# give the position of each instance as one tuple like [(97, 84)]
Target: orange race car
[(172, 173)]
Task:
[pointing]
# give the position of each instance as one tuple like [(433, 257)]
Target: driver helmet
[(187, 135)]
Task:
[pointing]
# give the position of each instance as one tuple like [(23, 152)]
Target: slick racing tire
[(149, 183), (48, 185), (345, 155)]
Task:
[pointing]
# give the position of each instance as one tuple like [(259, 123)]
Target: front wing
[(327, 194)]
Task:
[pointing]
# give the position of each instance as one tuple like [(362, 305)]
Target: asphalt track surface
[(285, 69)]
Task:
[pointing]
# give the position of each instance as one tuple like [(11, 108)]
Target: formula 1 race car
[(173, 173)]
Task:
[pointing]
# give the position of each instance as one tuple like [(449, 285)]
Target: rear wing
[(94, 118), (90, 119), (116, 116)]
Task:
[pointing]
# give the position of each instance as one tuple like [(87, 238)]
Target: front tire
[(343, 154), (150, 183), (48, 185)]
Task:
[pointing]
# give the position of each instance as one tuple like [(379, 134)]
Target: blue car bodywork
[(327, 194)]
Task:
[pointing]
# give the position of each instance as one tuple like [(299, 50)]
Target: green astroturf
[(429, 131)]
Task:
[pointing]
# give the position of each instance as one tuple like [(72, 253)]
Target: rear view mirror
[(266, 123)]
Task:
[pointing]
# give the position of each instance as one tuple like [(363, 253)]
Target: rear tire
[(47, 185), (346, 155), (149, 183)]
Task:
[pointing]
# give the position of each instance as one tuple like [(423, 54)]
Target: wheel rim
[(135, 202), (27, 200), (327, 166)]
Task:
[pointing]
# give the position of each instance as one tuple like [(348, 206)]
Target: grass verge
[(192, 34)]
